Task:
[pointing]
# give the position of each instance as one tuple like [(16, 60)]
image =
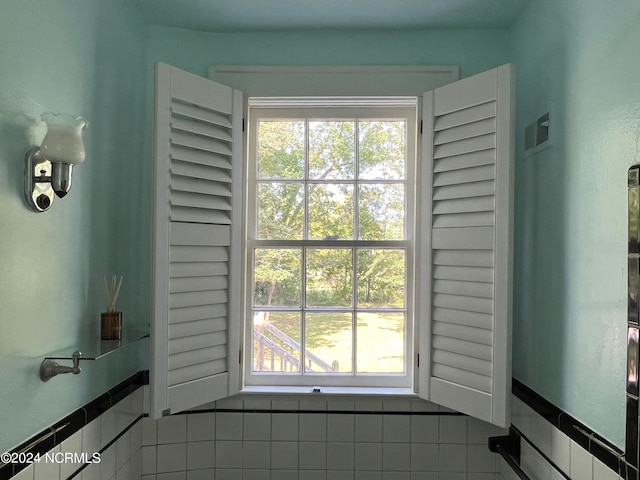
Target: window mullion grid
[(356, 186), (305, 236), (354, 314), (354, 256), (355, 244)]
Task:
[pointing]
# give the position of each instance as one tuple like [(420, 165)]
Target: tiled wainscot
[(297, 438), (318, 439), (554, 446), (109, 429)]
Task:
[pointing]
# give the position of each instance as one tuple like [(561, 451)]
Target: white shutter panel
[(198, 141), (465, 330)]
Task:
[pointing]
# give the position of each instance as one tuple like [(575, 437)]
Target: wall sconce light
[(48, 168)]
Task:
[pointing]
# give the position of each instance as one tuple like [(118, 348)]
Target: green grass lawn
[(329, 336)]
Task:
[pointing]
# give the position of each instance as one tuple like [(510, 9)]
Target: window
[(330, 241), (455, 251)]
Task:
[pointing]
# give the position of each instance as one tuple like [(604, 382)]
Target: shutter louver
[(469, 231), (196, 146), (208, 295)]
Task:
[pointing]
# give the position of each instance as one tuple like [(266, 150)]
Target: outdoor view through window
[(331, 202)]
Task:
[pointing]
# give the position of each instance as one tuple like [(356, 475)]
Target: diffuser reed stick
[(112, 290)]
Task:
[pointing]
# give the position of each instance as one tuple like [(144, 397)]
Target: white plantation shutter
[(465, 284), (196, 276)]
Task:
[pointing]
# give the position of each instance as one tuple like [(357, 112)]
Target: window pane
[(277, 277), (280, 211), (281, 149), (331, 211), (381, 278), (382, 150), (380, 342), (329, 272), (331, 150), (276, 342), (381, 208), (329, 342)]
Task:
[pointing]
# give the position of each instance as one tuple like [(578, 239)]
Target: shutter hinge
[(240, 357), (418, 360), (243, 124), (420, 126)]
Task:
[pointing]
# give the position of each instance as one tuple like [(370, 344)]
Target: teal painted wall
[(472, 50), (578, 60), (89, 59), (575, 58), (86, 58)]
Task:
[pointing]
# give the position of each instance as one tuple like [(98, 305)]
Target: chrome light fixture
[(49, 167)]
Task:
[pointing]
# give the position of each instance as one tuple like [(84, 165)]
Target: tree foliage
[(350, 166)]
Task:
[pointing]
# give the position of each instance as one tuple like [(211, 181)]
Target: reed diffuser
[(111, 320)]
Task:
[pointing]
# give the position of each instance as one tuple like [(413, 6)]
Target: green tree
[(329, 201)]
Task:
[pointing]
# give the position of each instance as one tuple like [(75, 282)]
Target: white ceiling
[(280, 15)]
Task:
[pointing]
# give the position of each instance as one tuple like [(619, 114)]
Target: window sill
[(328, 391)]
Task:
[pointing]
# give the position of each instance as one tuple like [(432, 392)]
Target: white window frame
[(405, 108)]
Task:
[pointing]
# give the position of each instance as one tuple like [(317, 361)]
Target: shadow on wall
[(18, 131), (540, 287)]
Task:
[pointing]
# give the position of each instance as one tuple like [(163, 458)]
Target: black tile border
[(595, 444), (63, 429)]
